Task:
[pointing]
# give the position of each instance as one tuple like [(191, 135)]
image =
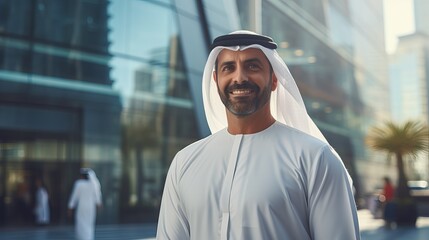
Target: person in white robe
[(85, 199), (266, 171), (41, 208)]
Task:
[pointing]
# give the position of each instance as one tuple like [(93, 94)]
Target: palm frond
[(407, 139)]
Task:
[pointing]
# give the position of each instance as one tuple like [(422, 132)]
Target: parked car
[(418, 185), (420, 193)]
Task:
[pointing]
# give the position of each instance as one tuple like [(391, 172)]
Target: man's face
[(244, 80)]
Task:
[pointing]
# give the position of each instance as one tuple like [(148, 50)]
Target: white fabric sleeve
[(172, 222), (74, 196), (98, 197), (332, 209)]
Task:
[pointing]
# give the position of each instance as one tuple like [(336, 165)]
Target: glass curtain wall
[(98, 84), (335, 51), (321, 64), (157, 118)]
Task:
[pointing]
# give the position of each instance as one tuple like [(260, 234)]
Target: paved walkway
[(371, 229), (102, 232)]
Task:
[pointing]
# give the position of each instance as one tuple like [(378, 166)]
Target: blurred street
[(102, 232), (371, 229)]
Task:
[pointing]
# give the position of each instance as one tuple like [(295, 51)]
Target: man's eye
[(226, 68), (253, 67)]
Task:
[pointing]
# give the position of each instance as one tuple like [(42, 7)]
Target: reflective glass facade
[(335, 51), (324, 77), (100, 84)]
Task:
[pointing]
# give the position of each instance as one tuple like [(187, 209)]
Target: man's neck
[(253, 123)]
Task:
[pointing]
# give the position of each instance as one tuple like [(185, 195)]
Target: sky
[(399, 20)]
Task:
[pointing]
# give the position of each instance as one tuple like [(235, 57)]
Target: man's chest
[(254, 181)]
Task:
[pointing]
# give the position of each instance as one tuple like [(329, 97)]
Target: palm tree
[(410, 138)]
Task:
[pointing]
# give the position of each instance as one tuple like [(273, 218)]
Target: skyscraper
[(409, 79)]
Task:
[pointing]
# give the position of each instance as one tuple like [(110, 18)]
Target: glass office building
[(116, 86), (335, 51)]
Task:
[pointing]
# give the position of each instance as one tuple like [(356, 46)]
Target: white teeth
[(241, 91)]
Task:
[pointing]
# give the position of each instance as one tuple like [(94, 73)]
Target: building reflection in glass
[(97, 84)]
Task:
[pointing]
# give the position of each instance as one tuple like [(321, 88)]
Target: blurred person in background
[(85, 199), (387, 205), (41, 208), (388, 189), (266, 171)]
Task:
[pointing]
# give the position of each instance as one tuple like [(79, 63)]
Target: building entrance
[(24, 159)]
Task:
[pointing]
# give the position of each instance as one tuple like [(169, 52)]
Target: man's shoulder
[(200, 150), (81, 182), (292, 134)]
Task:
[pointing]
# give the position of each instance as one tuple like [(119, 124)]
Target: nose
[(240, 75)]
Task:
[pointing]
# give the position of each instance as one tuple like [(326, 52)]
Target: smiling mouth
[(241, 92)]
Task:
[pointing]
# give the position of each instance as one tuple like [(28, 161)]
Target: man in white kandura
[(266, 172), (41, 208), (85, 198)]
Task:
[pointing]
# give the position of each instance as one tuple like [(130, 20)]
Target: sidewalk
[(371, 229), (102, 232)]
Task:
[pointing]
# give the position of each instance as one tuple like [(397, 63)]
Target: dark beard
[(246, 106)]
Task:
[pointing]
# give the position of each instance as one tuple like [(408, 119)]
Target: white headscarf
[(286, 103), (94, 180)]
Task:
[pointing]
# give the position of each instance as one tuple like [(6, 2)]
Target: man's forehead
[(242, 55)]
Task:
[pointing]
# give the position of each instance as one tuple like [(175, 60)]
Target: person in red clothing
[(388, 189), (387, 205)]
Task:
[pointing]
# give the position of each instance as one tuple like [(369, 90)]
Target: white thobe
[(84, 198), (279, 183), (41, 208)]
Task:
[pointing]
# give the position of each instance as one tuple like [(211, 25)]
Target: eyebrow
[(250, 60), (253, 60)]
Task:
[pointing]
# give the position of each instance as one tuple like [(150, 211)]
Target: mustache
[(244, 85)]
